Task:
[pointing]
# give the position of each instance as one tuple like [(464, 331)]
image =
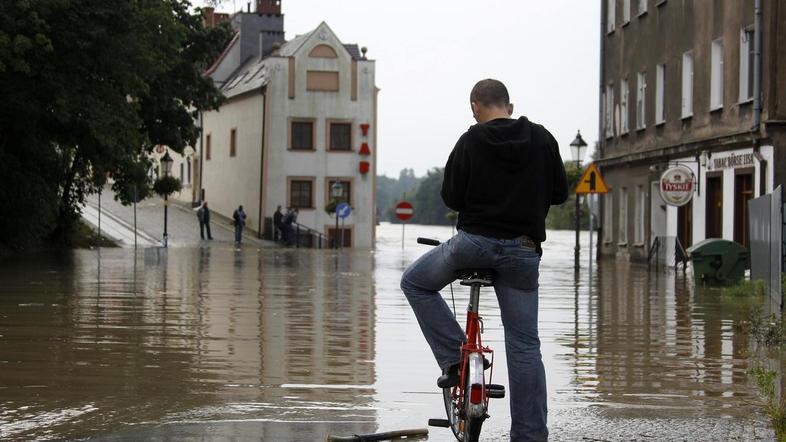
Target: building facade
[(679, 86), (300, 115)]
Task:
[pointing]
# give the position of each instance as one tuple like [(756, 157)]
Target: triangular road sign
[(591, 181)]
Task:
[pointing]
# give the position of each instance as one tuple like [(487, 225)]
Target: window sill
[(746, 101), (301, 150), (607, 242), (624, 24), (622, 244), (638, 245), (642, 14), (624, 134), (609, 31), (660, 123), (639, 129), (686, 117), (304, 208), (340, 151), (717, 109)]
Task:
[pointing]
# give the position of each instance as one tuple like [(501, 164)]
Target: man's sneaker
[(450, 377)]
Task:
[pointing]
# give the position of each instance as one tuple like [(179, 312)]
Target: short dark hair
[(490, 92)]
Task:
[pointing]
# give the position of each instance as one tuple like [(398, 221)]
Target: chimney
[(261, 45), (270, 7)]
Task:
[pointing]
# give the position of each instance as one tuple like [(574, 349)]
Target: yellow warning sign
[(591, 181)]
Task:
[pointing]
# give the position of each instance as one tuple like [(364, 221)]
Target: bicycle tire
[(451, 409), (472, 425)]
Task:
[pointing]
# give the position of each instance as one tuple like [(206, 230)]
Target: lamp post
[(577, 147), (337, 191), (166, 166)]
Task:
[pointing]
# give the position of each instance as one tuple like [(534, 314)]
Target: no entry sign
[(404, 211)]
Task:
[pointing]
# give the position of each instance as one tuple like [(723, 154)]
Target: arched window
[(323, 51)]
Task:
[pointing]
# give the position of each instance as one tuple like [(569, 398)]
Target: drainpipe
[(757, 39), (260, 229), (601, 119), (201, 159), (757, 107)]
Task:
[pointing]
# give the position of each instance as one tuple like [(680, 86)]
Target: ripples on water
[(296, 344)]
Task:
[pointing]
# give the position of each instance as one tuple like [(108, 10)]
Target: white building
[(299, 116)]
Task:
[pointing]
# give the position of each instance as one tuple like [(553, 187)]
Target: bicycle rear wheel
[(454, 415)]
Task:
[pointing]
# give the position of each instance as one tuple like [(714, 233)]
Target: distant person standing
[(277, 217), (203, 215), (239, 218), (286, 226)]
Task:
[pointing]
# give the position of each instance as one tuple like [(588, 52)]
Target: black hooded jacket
[(502, 176)]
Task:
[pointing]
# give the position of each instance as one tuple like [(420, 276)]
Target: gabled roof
[(255, 73), (251, 75)]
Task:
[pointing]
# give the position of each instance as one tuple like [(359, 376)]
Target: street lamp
[(166, 166), (577, 147), (337, 191)]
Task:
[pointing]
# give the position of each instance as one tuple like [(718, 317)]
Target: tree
[(90, 87), (391, 190), (429, 207), (563, 216)]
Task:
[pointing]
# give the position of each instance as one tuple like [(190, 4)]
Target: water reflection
[(219, 343), (110, 338), (663, 343)]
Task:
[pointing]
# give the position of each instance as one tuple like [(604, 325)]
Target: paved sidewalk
[(117, 221)]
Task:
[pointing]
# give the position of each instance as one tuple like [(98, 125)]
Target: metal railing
[(307, 237), (660, 247)]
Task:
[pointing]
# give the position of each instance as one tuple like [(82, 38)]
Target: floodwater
[(215, 343)]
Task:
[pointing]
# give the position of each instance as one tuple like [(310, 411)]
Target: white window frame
[(625, 12), (610, 110), (608, 218), (746, 68), (624, 92), (641, 100), (716, 75), (622, 239), (611, 16), (660, 94), (687, 85), (642, 7), (641, 204)]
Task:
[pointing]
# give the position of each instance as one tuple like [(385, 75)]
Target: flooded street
[(279, 345)]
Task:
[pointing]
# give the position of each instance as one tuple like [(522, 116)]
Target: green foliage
[(775, 408), (166, 185), (427, 201), (563, 216), (767, 330), (744, 288), (391, 190), (330, 207), (89, 88), (83, 236)]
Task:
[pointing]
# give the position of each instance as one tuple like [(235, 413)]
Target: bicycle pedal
[(444, 423), (495, 391)]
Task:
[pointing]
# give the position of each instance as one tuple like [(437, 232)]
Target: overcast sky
[(429, 54)]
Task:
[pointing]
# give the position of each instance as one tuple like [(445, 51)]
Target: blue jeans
[(238, 232), (516, 286)]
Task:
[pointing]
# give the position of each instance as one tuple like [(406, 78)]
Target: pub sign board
[(676, 185)]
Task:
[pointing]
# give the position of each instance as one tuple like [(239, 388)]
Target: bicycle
[(466, 404)]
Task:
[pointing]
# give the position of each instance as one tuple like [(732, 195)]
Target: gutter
[(741, 137)]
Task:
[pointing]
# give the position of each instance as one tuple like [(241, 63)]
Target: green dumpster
[(718, 261)]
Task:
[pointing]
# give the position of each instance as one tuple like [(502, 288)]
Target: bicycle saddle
[(484, 277)]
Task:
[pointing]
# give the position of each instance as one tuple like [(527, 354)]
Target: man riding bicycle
[(502, 176)]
